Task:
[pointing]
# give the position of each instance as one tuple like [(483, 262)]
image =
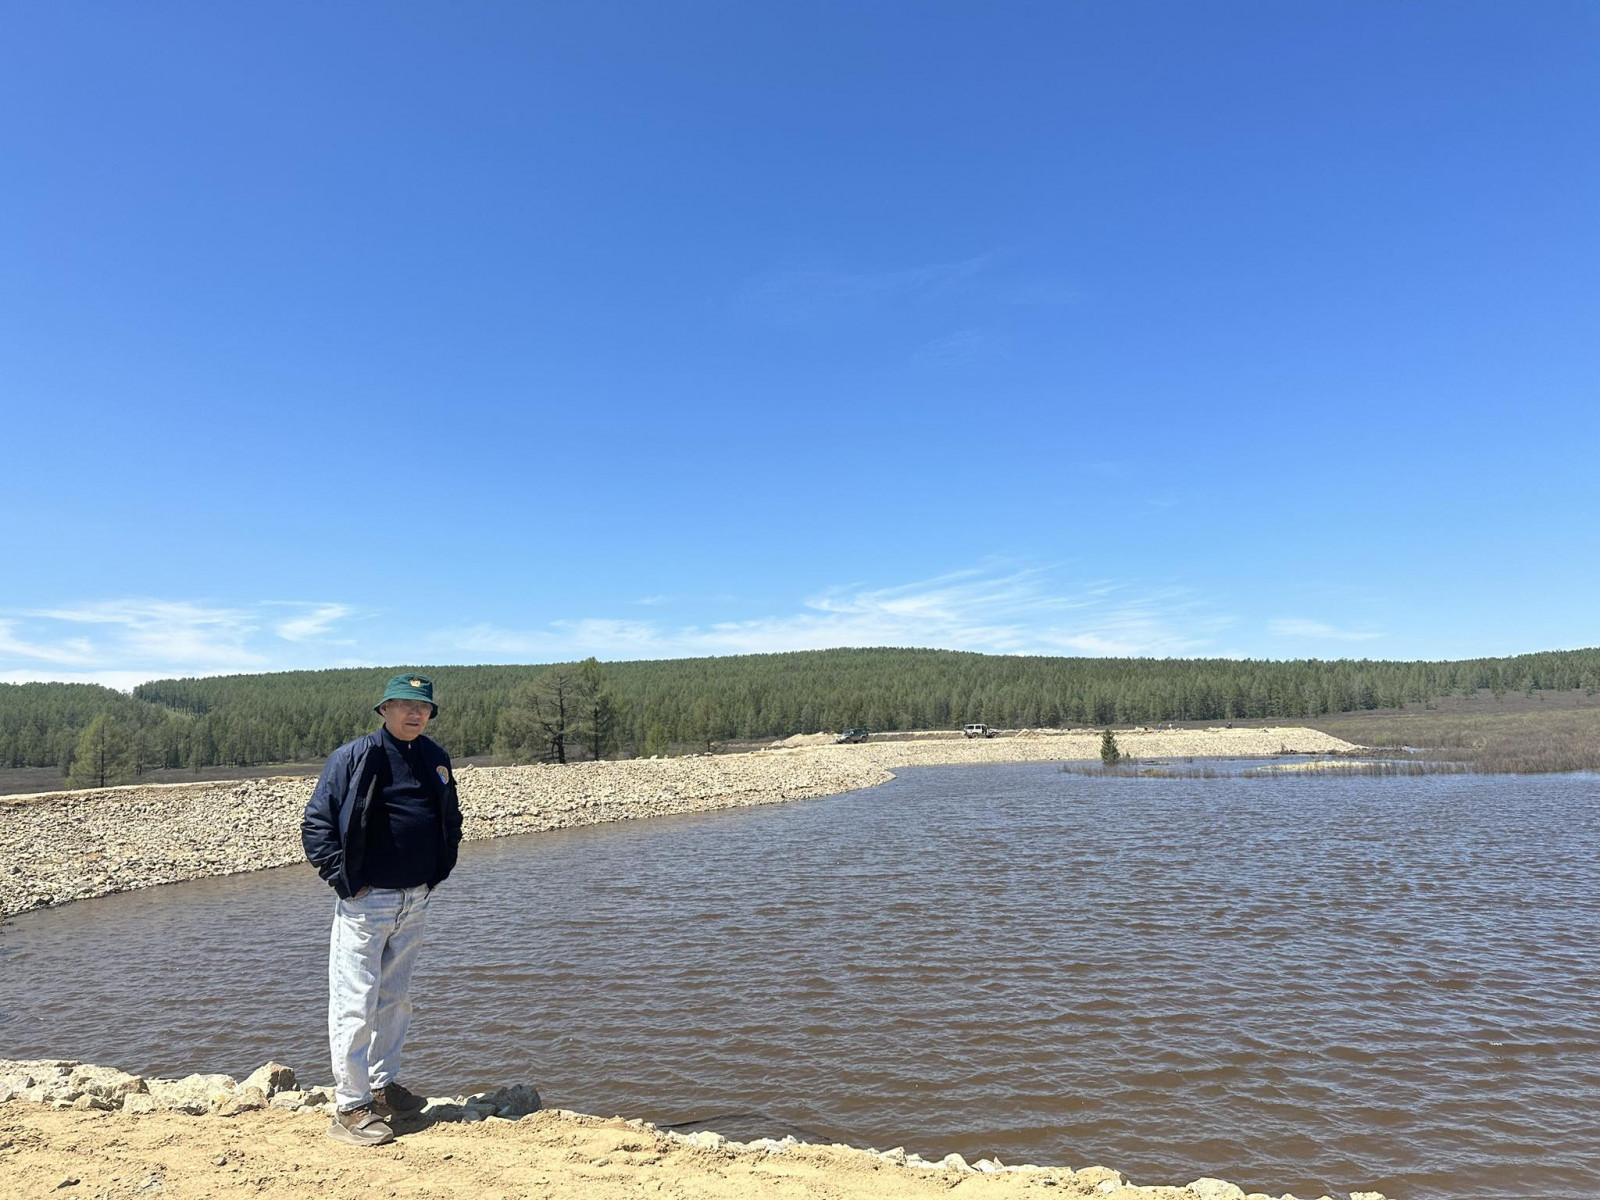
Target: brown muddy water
[(1299, 984)]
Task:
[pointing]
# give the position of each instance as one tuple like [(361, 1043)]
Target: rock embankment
[(86, 1087), (123, 1132), (67, 846), (64, 846)]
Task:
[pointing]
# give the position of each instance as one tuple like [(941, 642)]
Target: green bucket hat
[(408, 687)]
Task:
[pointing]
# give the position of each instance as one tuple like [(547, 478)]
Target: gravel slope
[(64, 846)]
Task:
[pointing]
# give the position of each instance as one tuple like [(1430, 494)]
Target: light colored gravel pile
[(64, 846), (1049, 745), (499, 800), (805, 739)]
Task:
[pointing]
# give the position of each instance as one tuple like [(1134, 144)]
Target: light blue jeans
[(370, 955)]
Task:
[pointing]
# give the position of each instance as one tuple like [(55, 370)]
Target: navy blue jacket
[(335, 821)]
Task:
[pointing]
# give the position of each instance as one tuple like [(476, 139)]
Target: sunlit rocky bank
[(81, 1130), (63, 846)]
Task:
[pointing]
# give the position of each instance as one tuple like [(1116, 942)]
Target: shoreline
[(57, 847), (92, 1130), (117, 1136)]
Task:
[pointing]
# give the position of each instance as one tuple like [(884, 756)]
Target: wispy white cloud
[(67, 651), (115, 641), (318, 622), (999, 612), (141, 630), (1299, 627), (995, 607)]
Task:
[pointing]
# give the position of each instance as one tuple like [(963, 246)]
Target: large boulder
[(516, 1101), (272, 1078), (37, 1067), (40, 1081), (244, 1099), (193, 1094), (105, 1083), (445, 1108), (1098, 1179)]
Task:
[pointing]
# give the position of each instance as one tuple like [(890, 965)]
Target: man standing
[(382, 827)]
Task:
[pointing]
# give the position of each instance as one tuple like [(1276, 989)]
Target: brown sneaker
[(360, 1127), (392, 1100)]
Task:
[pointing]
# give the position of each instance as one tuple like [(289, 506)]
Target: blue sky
[(423, 333)]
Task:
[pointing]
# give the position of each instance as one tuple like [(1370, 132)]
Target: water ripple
[(1299, 984)]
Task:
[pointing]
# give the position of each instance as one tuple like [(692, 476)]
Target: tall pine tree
[(104, 755)]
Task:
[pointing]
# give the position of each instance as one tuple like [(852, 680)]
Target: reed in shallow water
[(1374, 767), (1533, 738), (1127, 769)]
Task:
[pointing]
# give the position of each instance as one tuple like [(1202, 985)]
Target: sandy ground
[(47, 1152)]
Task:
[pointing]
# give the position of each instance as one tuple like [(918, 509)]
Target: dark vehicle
[(851, 736)]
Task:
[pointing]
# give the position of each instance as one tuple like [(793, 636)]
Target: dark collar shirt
[(403, 830)]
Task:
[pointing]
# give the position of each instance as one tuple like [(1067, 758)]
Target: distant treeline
[(299, 716)]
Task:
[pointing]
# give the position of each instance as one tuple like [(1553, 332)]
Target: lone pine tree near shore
[(565, 707), (1110, 753), (104, 754), (540, 718), (601, 712)]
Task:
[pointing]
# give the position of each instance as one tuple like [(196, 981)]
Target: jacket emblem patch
[(444, 774)]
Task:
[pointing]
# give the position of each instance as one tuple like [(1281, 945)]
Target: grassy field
[(1516, 734)]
